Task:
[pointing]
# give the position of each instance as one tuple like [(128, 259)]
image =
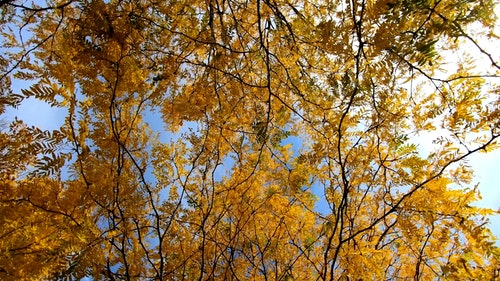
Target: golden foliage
[(288, 151)]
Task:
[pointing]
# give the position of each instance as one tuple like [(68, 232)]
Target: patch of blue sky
[(224, 169), (155, 122), (297, 143), (321, 205), (317, 189), (38, 114)]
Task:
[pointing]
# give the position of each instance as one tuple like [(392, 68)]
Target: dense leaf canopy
[(290, 149)]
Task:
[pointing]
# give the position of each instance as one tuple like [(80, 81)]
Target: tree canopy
[(289, 149)]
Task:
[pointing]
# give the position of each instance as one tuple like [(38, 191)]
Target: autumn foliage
[(290, 144)]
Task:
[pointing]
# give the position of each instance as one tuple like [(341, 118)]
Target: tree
[(289, 151)]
